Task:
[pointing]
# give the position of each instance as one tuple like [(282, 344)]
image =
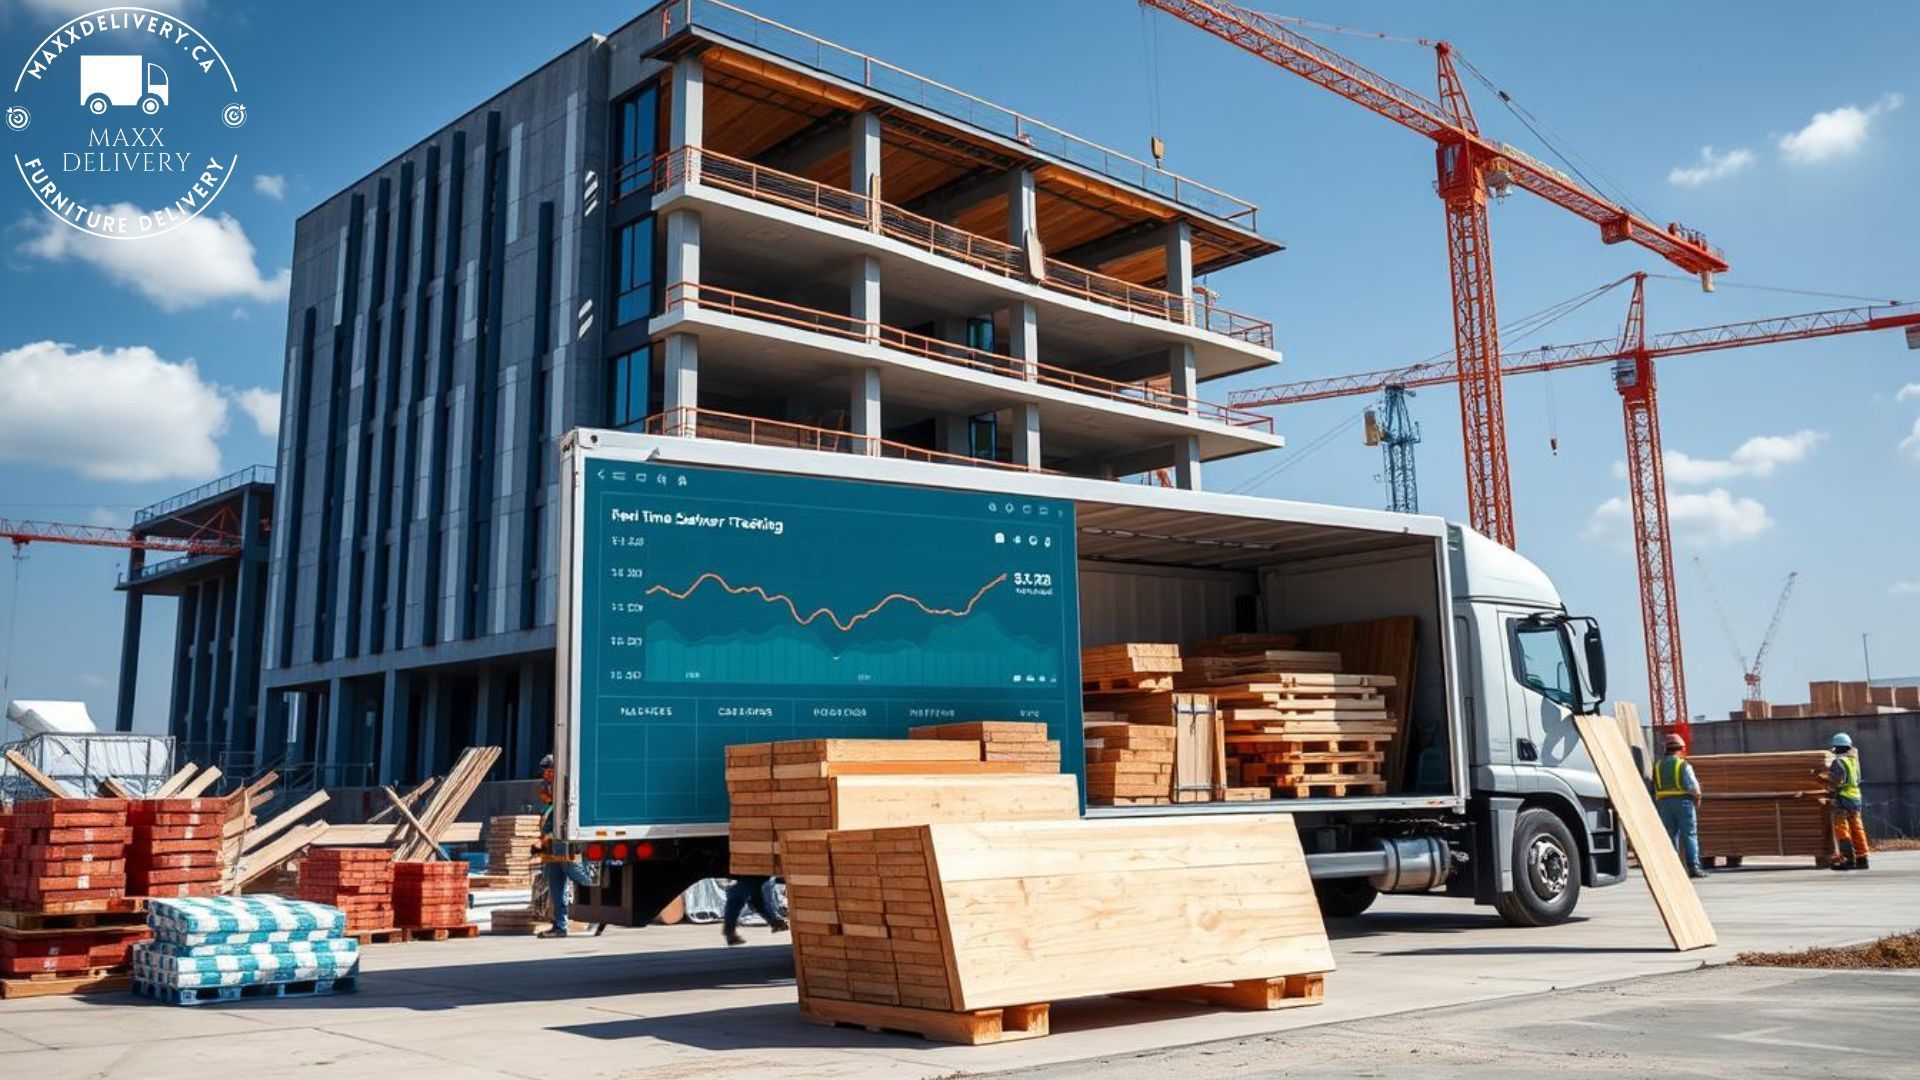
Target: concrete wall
[(1889, 748)]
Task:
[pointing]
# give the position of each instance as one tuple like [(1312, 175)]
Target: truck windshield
[(1540, 661)]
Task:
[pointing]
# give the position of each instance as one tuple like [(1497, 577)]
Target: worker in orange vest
[(558, 865), (1843, 775), (1676, 794)]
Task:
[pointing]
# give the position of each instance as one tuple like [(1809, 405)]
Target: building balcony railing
[(252, 474), (696, 164), (755, 31), (163, 567), (682, 294), (758, 431)]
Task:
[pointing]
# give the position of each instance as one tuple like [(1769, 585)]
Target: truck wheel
[(97, 104), (1546, 871), (149, 105), (1344, 898)]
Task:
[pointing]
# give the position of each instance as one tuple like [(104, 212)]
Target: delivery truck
[(714, 593)]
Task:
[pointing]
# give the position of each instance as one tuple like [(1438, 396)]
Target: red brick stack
[(358, 881), (65, 855), (176, 847), (430, 895), (68, 952)]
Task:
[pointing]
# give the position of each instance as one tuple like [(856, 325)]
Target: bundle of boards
[(1764, 804)]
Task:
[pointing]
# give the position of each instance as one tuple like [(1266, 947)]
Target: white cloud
[(1835, 133), (1910, 445), (1712, 166), (1759, 456), (202, 261), (1911, 390), (1713, 518), (264, 406), (109, 414), (1904, 588), (270, 185)]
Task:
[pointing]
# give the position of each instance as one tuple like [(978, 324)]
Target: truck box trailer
[(714, 593)]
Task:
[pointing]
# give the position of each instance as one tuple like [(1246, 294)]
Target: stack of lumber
[(968, 932), (430, 895), (358, 881), (1206, 670), (1129, 666), (176, 846), (775, 788), (1764, 804), (516, 922), (1001, 740), (1298, 726), (65, 855), (224, 948), (1241, 644), (1389, 646), (511, 840), (429, 828), (1199, 763), (1129, 764)]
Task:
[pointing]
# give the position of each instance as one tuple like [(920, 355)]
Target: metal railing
[(81, 760), (758, 431), (1150, 393), (699, 165), (252, 474), (727, 21), (167, 566)]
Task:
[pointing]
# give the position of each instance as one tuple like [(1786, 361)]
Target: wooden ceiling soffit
[(1069, 180), (721, 58)]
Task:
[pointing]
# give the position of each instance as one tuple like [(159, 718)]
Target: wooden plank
[(114, 789), (284, 820), (411, 797), (1680, 909), (176, 781), (460, 832), (193, 788), (880, 802), (258, 863), (27, 769), (419, 830)]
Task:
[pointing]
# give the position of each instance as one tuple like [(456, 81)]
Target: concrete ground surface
[(674, 1002)]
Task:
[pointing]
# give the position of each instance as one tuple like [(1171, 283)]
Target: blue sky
[(1794, 456)]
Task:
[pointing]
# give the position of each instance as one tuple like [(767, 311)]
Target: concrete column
[(390, 755), (955, 435), (680, 386), (687, 112), (865, 163), (270, 725), (1022, 221), (863, 407), (200, 702), (220, 719), (490, 727), (1180, 266), (250, 602), (1023, 338), (532, 706), (1026, 435), (863, 301), (332, 743), (683, 255), (177, 703), (436, 718), (130, 643), (1186, 463), (1184, 374)]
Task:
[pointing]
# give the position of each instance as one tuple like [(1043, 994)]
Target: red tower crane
[(1469, 165), (1632, 355), (211, 541)]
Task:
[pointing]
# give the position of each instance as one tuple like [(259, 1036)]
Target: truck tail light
[(643, 850), (619, 852), (596, 852)]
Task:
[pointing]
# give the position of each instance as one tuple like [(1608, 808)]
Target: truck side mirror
[(1596, 661), (1588, 658)]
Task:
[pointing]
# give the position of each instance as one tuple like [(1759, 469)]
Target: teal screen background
[(721, 607)]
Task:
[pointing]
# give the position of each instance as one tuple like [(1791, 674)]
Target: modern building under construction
[(710, 225)]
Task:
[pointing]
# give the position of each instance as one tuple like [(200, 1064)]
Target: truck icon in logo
[(116, 80)]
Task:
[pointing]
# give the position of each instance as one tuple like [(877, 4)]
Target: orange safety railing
[(1145, 393), (692, 163), (735, 427)]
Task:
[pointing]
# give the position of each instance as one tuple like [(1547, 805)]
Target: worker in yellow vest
[(1843, 775), (1676, 794)]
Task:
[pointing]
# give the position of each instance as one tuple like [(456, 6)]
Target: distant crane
[(1749, 672), (1393, 430)]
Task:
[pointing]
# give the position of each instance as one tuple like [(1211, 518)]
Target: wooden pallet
[(203, 995), (441, 933), (1328, 789), (975, 1028), (94, 982), (1283, 992), (127, 912), (386, 936)]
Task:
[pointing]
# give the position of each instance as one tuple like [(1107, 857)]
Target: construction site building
[(710, 225)]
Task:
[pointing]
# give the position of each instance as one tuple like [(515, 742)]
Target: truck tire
[(1546, 871), (1344, 898)]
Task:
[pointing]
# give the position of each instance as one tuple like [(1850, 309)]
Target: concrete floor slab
[(674, 1001)]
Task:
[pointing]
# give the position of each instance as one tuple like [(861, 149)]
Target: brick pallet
[(430, 895), (176, 847), (358, 881), (63, 878)]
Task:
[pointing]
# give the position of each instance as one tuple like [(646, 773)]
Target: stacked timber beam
[(447, 803), (65, 919), (968, 932), (1181, 762), (1001, 740), (1764, 804), (813, 784), (511, 840), (1129, 764), (1128, 667), (1297, 725)]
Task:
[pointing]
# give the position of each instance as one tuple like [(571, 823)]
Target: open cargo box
[(1155, 564)]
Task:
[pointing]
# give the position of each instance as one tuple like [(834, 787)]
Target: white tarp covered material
[(81, 760), (37, 717)]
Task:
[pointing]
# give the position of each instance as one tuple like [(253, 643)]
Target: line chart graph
[(841, 624)]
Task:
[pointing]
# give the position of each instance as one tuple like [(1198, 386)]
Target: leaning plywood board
[(880, 802), (1040, 911), (1673, 893)]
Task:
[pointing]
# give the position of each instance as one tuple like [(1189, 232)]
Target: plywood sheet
[(881, 802), (1673, 893)]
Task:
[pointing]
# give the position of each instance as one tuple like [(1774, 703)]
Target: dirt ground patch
[(1897, 843), (1893, 951)]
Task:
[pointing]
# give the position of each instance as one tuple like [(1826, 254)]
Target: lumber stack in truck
[(1129, 764), (1391, 647), (1001, 740), (809, 784), (1307, 734), (1199, 765), (969, 932), (1764, 804), (1129, 666)]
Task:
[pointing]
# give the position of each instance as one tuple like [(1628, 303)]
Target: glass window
[(636, 141), (627, 388), (1540, 661), (633, 273)]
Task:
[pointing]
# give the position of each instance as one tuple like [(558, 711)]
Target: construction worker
[(751, 890), (1844, 777), (1676, 794), (558, 866)]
